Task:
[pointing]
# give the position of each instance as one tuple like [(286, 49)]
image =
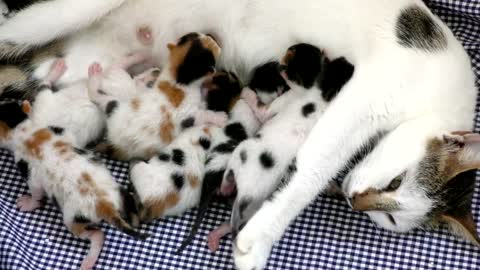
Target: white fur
[(153, 181), (407, 91)]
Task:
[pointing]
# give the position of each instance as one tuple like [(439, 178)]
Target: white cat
[(413, 82)]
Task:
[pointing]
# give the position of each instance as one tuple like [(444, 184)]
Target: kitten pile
[(192, 134)]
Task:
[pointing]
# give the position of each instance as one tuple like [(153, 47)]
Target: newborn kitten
[(270, 156), (141, 125), (82, 187)]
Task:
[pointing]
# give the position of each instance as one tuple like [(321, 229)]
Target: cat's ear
[(457, 210), (464, 150), (27, 107), (171, 46)]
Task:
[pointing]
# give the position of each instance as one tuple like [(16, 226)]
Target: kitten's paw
[(88, 263), (250, 97), (219, 119), (251, 254), (213, 241), (57, 70), (27, 204), (95, 70)]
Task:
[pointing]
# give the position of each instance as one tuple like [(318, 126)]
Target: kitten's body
[(170, 183), (413, 82), (144, 117)]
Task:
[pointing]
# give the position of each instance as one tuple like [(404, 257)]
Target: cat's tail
[(47, 21), (107, 212)]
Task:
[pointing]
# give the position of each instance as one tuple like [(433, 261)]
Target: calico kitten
[(142, 124), (81, 186), (287, 122), (185, 157)]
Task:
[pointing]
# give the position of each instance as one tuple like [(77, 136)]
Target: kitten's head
[(268, 83), (11, 115), (193, 57), (436, 190), (221, 91), (304, 64)]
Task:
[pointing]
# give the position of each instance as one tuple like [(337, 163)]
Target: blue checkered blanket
[(327, 235)]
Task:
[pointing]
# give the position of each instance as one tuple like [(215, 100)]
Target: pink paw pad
[(26, 203), (95, 69)]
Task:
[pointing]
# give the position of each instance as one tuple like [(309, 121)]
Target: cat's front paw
[(251, 252)]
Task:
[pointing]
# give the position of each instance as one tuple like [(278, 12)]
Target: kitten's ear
[(464, 148), (171, 46), (27, 107), (463, 227), (457, 198)]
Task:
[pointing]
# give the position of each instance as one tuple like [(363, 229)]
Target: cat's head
[(304, 64), (12, 114), (221, 91), (193, 57), (267, 82), (436, 190)]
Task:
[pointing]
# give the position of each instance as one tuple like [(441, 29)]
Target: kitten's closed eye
[(395, 184)]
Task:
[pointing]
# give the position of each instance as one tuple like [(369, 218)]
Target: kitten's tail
[(46, 21), (106, 211)]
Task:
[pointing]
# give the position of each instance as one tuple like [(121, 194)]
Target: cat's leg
[(41, 23), (348, 124), (95, 91), (216, 235), (28, 203), (57, 69), (265, 112)]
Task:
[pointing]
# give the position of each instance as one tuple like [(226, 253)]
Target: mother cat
[(412, 85)]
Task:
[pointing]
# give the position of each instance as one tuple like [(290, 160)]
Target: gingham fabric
[(328, 235)]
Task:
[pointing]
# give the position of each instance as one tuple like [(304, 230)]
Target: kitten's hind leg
[(57, 70), (216, 235), (86, 230), (28, 203)]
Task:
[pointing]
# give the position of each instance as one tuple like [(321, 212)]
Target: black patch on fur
[(150, 84), (308, 109), (24, 169), (188, 37), (131, 203), (336, 75), (187, 122), (416, 29), (178, 157), (111, 106), (11, 114), (266, 78), (243, 156), (78, 218), (197, 63), (80, 151), (306, 64), (205, 143), (178, 180), (359, 155), (225, 148), (56, 130), (55, 202), (101, 92), (222, 90), (266, 159), (16, 5), (236, 131), (258, 136), (164, 157)]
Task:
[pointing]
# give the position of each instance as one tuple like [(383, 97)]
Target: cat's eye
[(395, 184)]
